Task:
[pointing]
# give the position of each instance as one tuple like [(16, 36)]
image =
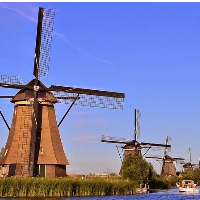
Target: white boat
[(143, 188), (187, 186)]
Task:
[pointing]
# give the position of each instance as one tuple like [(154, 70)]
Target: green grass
[(64, 187)]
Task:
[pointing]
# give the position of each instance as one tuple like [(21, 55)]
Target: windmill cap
[(25, 93)]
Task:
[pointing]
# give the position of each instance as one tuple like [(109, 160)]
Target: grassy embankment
[(64, 187)]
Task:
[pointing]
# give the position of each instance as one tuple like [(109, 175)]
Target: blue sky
[(149, 51)]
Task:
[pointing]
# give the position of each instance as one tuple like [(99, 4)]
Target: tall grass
[(64, 187)]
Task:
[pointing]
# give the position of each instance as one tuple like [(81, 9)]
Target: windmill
[(168, 167), (133, 147), (34, 147), (189, 165)]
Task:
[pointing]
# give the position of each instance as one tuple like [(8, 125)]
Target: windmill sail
[(137, 124), (88, 97), (43, 41)]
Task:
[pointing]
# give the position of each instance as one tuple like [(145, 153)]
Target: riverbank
[(64, 187)]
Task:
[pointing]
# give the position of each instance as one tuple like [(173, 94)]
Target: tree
[(192, 174), (138, 169)]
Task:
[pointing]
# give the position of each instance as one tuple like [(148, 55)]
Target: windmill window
[(41, 150)]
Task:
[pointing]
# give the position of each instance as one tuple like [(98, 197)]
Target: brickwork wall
[(55, 135), (18, 145), (168, 168), (51, 146), (17, 150), (60, 170), (46, 154), (50, 171), (10, 138)]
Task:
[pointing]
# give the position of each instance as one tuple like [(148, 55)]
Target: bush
[(159, 182)]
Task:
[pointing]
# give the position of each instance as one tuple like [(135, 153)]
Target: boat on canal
[(143, 188), (187, 186)]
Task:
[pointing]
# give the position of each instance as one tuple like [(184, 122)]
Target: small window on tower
[(41, 150)]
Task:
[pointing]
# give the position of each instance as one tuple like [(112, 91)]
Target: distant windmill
[(133, 147), (189, 165), (34, 147), (168, 167)]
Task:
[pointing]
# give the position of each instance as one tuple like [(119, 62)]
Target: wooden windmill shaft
[(34, 147)]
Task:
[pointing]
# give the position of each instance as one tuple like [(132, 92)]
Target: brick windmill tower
[(34, 147), (133, 147), (168, 167)]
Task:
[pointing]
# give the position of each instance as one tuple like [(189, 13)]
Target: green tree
[(192, 174), (159, 182), (138, 169)]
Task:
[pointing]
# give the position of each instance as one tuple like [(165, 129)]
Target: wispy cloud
[(23, 14), (86, 138), (59, 35), (63, 38), (84, 122)]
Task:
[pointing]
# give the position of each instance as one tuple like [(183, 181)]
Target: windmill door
[(42, 170)]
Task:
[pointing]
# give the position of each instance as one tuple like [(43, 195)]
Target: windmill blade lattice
[(137, 126), (46, 39), (178, 159), (15, 80), (167, 142), (92, 100), (43, 41), (119, 153), (154, 157), (157, 145), (109, 139)]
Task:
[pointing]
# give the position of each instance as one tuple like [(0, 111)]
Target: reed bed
[(64, 187)]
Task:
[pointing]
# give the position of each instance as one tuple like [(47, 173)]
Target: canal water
[(171, 194)]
